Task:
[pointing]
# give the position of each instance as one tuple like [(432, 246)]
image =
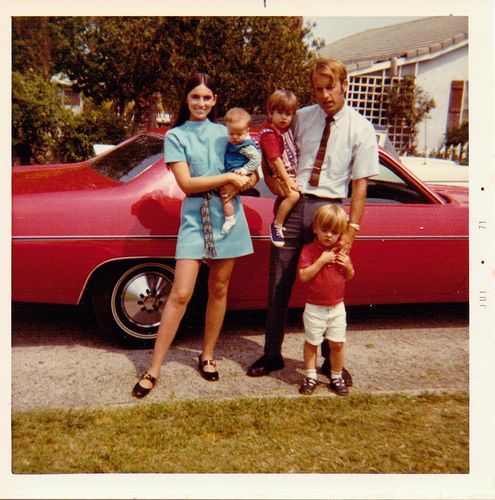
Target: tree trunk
[(24, 153)]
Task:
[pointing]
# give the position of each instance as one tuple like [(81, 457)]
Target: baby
[(241, 155)]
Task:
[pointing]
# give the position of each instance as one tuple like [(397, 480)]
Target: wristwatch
[(354, 226)]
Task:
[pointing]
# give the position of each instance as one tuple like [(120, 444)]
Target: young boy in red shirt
[(279, 159), (326, 271)]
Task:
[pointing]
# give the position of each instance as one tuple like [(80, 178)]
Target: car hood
[(455, 194), (55, 178)]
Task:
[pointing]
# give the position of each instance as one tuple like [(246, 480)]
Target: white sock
[(228, 224), (335, 375), (311, 374)]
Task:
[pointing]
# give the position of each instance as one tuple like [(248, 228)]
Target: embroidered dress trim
[(210, 250)]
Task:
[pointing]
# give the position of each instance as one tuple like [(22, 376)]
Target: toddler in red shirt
[(326, 270), (279, 158)]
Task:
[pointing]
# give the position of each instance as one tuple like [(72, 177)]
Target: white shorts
[(322, 322)]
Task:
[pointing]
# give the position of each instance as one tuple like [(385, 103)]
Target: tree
[(117, 59), (33, 39), (135, 64), (38, 117), (407, 105), (249, 58), (129, 59)]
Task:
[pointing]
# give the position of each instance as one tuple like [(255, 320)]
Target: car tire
[(128, 301)]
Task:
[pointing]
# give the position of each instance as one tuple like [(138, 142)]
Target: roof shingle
[(407, 39)]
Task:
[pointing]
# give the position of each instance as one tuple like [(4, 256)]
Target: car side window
[(387, 187), (384, 188)]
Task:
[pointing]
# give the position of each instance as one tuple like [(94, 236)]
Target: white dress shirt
[(352, 151)]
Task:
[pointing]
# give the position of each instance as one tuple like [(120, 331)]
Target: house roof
[(409, 39)]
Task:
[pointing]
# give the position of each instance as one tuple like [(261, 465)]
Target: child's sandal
[(139, 391)]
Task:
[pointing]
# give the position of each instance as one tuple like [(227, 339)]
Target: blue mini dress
[(202, 145)]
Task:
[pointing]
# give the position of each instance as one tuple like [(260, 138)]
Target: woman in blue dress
[(194, 151)]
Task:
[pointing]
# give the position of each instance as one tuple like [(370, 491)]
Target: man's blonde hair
[(330, 217), (238, 116), (331, 68)]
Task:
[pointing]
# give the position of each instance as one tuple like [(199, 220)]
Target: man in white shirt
[(337, 147)]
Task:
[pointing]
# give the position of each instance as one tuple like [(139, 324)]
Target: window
[(125, 162), (387, 187)]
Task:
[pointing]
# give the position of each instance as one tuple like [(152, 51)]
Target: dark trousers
[(283, 268)]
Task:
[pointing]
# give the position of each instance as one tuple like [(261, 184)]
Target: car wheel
[(128, 301)]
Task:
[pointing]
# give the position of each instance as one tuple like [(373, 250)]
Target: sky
[(332, 29)]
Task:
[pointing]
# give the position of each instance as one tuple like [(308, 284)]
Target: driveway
[(60, 358)]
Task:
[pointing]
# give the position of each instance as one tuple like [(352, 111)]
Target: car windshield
[(389, 148), (125, 162), (383, 141)]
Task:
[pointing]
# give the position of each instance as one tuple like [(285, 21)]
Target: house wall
[(435, 77), (72, 100)]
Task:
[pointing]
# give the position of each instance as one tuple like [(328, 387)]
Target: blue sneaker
[(277, 235)]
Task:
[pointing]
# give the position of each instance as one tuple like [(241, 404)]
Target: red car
[(104, 231)]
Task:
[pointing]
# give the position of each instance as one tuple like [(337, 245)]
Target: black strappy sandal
[(210, 376), (139, 391)]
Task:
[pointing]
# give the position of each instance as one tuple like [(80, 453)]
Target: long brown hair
[(195, 80)]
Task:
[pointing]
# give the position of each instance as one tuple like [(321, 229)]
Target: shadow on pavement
[(49, 324)]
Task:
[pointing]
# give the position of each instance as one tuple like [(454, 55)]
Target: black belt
[(310, 196)]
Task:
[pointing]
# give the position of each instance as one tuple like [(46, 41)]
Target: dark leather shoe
[(265, 365), (139, 391), (326, 369), (210, 376)]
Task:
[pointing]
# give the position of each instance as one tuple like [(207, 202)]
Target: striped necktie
[(320, 155)]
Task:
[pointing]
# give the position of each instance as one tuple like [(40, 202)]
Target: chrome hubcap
[(143, 298)]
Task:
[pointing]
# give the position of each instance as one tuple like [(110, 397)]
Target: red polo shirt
[(327, 287)]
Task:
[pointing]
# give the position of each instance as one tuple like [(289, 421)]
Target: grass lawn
[(358, 434)]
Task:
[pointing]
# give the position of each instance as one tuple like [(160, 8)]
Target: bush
[(37, 118), (407, 105), (457, 136), (94, 125), (43, 131)]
